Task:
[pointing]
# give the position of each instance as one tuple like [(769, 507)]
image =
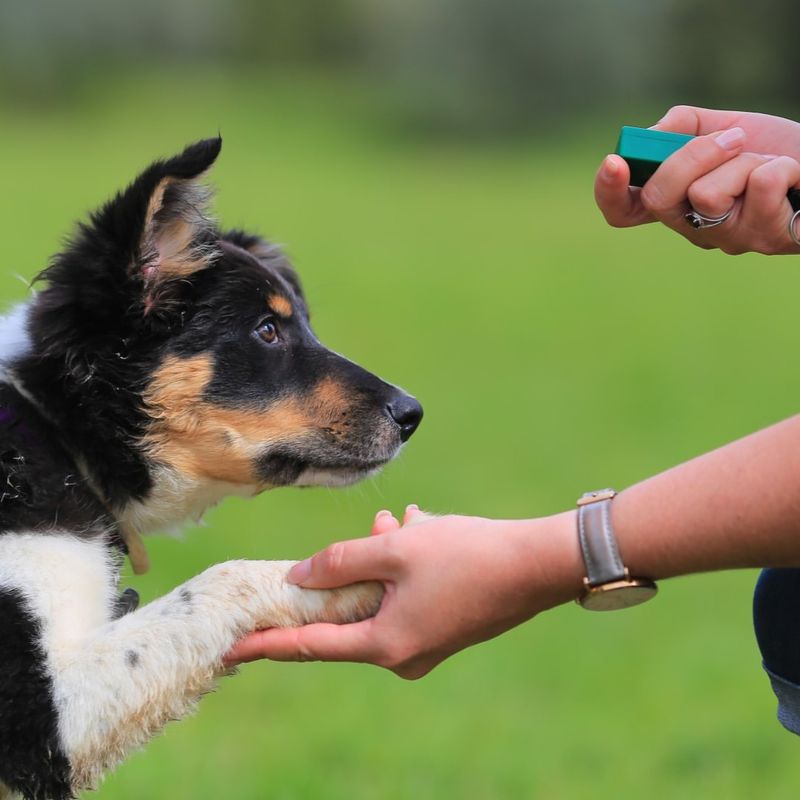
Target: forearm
[(738, 506)]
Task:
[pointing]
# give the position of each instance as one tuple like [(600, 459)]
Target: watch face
[(619, 594)]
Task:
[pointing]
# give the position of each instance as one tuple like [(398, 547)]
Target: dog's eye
[(267, 331)]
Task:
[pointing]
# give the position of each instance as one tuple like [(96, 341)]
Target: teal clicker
[(644, 150)]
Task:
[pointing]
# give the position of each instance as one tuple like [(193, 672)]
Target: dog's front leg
[(133, 675), (113, 684)]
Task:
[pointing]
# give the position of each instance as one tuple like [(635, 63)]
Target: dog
[(166, 364)]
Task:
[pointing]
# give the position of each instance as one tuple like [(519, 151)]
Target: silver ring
[(792, 229), (698, 221)]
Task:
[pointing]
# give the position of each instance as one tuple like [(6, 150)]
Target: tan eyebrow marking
[(280, 305)]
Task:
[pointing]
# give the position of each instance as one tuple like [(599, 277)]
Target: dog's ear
[(158, 229), (173, 234), (132, 262), (176, 214)]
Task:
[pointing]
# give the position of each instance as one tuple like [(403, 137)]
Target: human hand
[(741, 162), (450, 582)]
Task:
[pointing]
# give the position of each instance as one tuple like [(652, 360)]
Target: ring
[(792, 229), (697, 220)]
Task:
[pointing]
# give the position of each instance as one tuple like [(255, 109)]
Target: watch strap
[(597, 541)]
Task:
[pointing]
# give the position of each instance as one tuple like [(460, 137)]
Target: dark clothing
[(776, 617)]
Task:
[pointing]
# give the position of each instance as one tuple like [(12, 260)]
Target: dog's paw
[(351, 603), (348, 604), (261, 591)]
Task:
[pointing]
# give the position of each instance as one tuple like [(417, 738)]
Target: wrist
[(549, 554)]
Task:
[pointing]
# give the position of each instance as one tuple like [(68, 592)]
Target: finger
[(384, 522), (665, 194), (344, 563), (318, 642), (618, 202), (245, 650), (715, 193), (413, 515), (696, 121), (766, 209)]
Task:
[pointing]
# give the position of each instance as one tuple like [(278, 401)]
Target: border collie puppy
[(166, 364)]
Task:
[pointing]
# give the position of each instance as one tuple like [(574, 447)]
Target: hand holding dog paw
[(450, 582)]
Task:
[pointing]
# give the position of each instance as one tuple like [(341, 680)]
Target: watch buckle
[(596, 497)]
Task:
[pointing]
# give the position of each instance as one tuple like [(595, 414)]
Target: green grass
[(552, 355)]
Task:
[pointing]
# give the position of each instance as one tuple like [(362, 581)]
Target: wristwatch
[(608, 585)]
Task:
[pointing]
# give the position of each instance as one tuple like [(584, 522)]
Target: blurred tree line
[(449, 65)]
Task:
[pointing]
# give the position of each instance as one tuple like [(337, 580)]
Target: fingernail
[(383, 513), (770, 156), (412, 507), (610, 168), (299, 572), (731, 139)]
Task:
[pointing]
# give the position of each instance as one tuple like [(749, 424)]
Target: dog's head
[(192, 347)]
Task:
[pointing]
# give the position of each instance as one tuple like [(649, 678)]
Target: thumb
[(618, 202), (344, 563)]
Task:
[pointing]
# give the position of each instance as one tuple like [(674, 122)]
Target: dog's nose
[(406, 412)]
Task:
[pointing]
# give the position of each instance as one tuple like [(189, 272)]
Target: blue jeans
[(776, 618)]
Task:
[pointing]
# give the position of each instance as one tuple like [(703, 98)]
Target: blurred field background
[(429, 168)]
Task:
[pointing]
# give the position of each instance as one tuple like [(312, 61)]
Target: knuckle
[(331, 558), (767, 248), (698, 154), (653, 198), (766, 181), (412, 673), (679, 111), (705, 197), (301, 649), (395, 657), (732, 248), (784, 162), (304, 654), (395, 552)]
